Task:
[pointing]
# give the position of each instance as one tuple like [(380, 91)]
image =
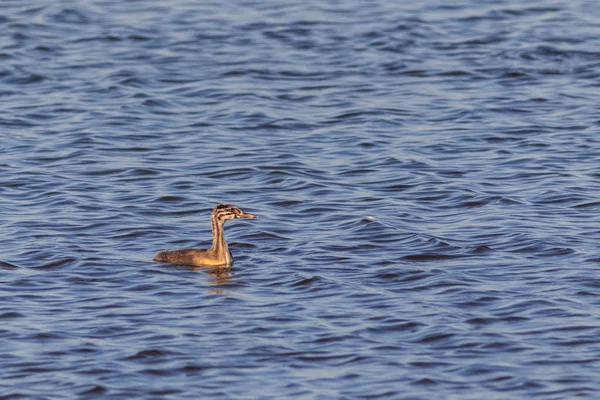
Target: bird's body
[(218, 254), (196, 257)]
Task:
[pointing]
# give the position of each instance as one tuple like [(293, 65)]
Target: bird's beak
[(246, 215)]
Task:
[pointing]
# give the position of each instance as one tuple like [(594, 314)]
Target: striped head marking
[(223, 212)]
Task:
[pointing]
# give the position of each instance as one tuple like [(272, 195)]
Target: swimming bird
[(218, 254)]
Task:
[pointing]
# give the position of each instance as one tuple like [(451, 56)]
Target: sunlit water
[(426, 178)]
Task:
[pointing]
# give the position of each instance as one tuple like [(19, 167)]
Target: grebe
[(218, 254)]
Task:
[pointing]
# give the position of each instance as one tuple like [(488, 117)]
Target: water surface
[(426, 177)]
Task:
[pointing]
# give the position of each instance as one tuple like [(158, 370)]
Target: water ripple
[(425, 177)]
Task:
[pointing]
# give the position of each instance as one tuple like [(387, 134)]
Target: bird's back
[(200, 258), (183, 256)]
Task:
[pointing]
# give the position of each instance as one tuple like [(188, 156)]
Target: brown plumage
[(218, 254)]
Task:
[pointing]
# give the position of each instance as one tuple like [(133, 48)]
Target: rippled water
[(427, 179)]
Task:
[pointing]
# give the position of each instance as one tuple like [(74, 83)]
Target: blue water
[(426, 177)]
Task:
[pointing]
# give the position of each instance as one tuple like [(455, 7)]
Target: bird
[(218, 255)]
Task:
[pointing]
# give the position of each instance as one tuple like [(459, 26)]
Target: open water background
[(427, 179)]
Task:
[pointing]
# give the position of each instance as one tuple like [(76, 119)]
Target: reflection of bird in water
[(220, 276), (218, 254)]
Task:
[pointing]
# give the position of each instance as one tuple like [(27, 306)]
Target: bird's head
[(223, 212)]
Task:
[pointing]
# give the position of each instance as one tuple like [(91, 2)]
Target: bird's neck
[(219, 245)]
